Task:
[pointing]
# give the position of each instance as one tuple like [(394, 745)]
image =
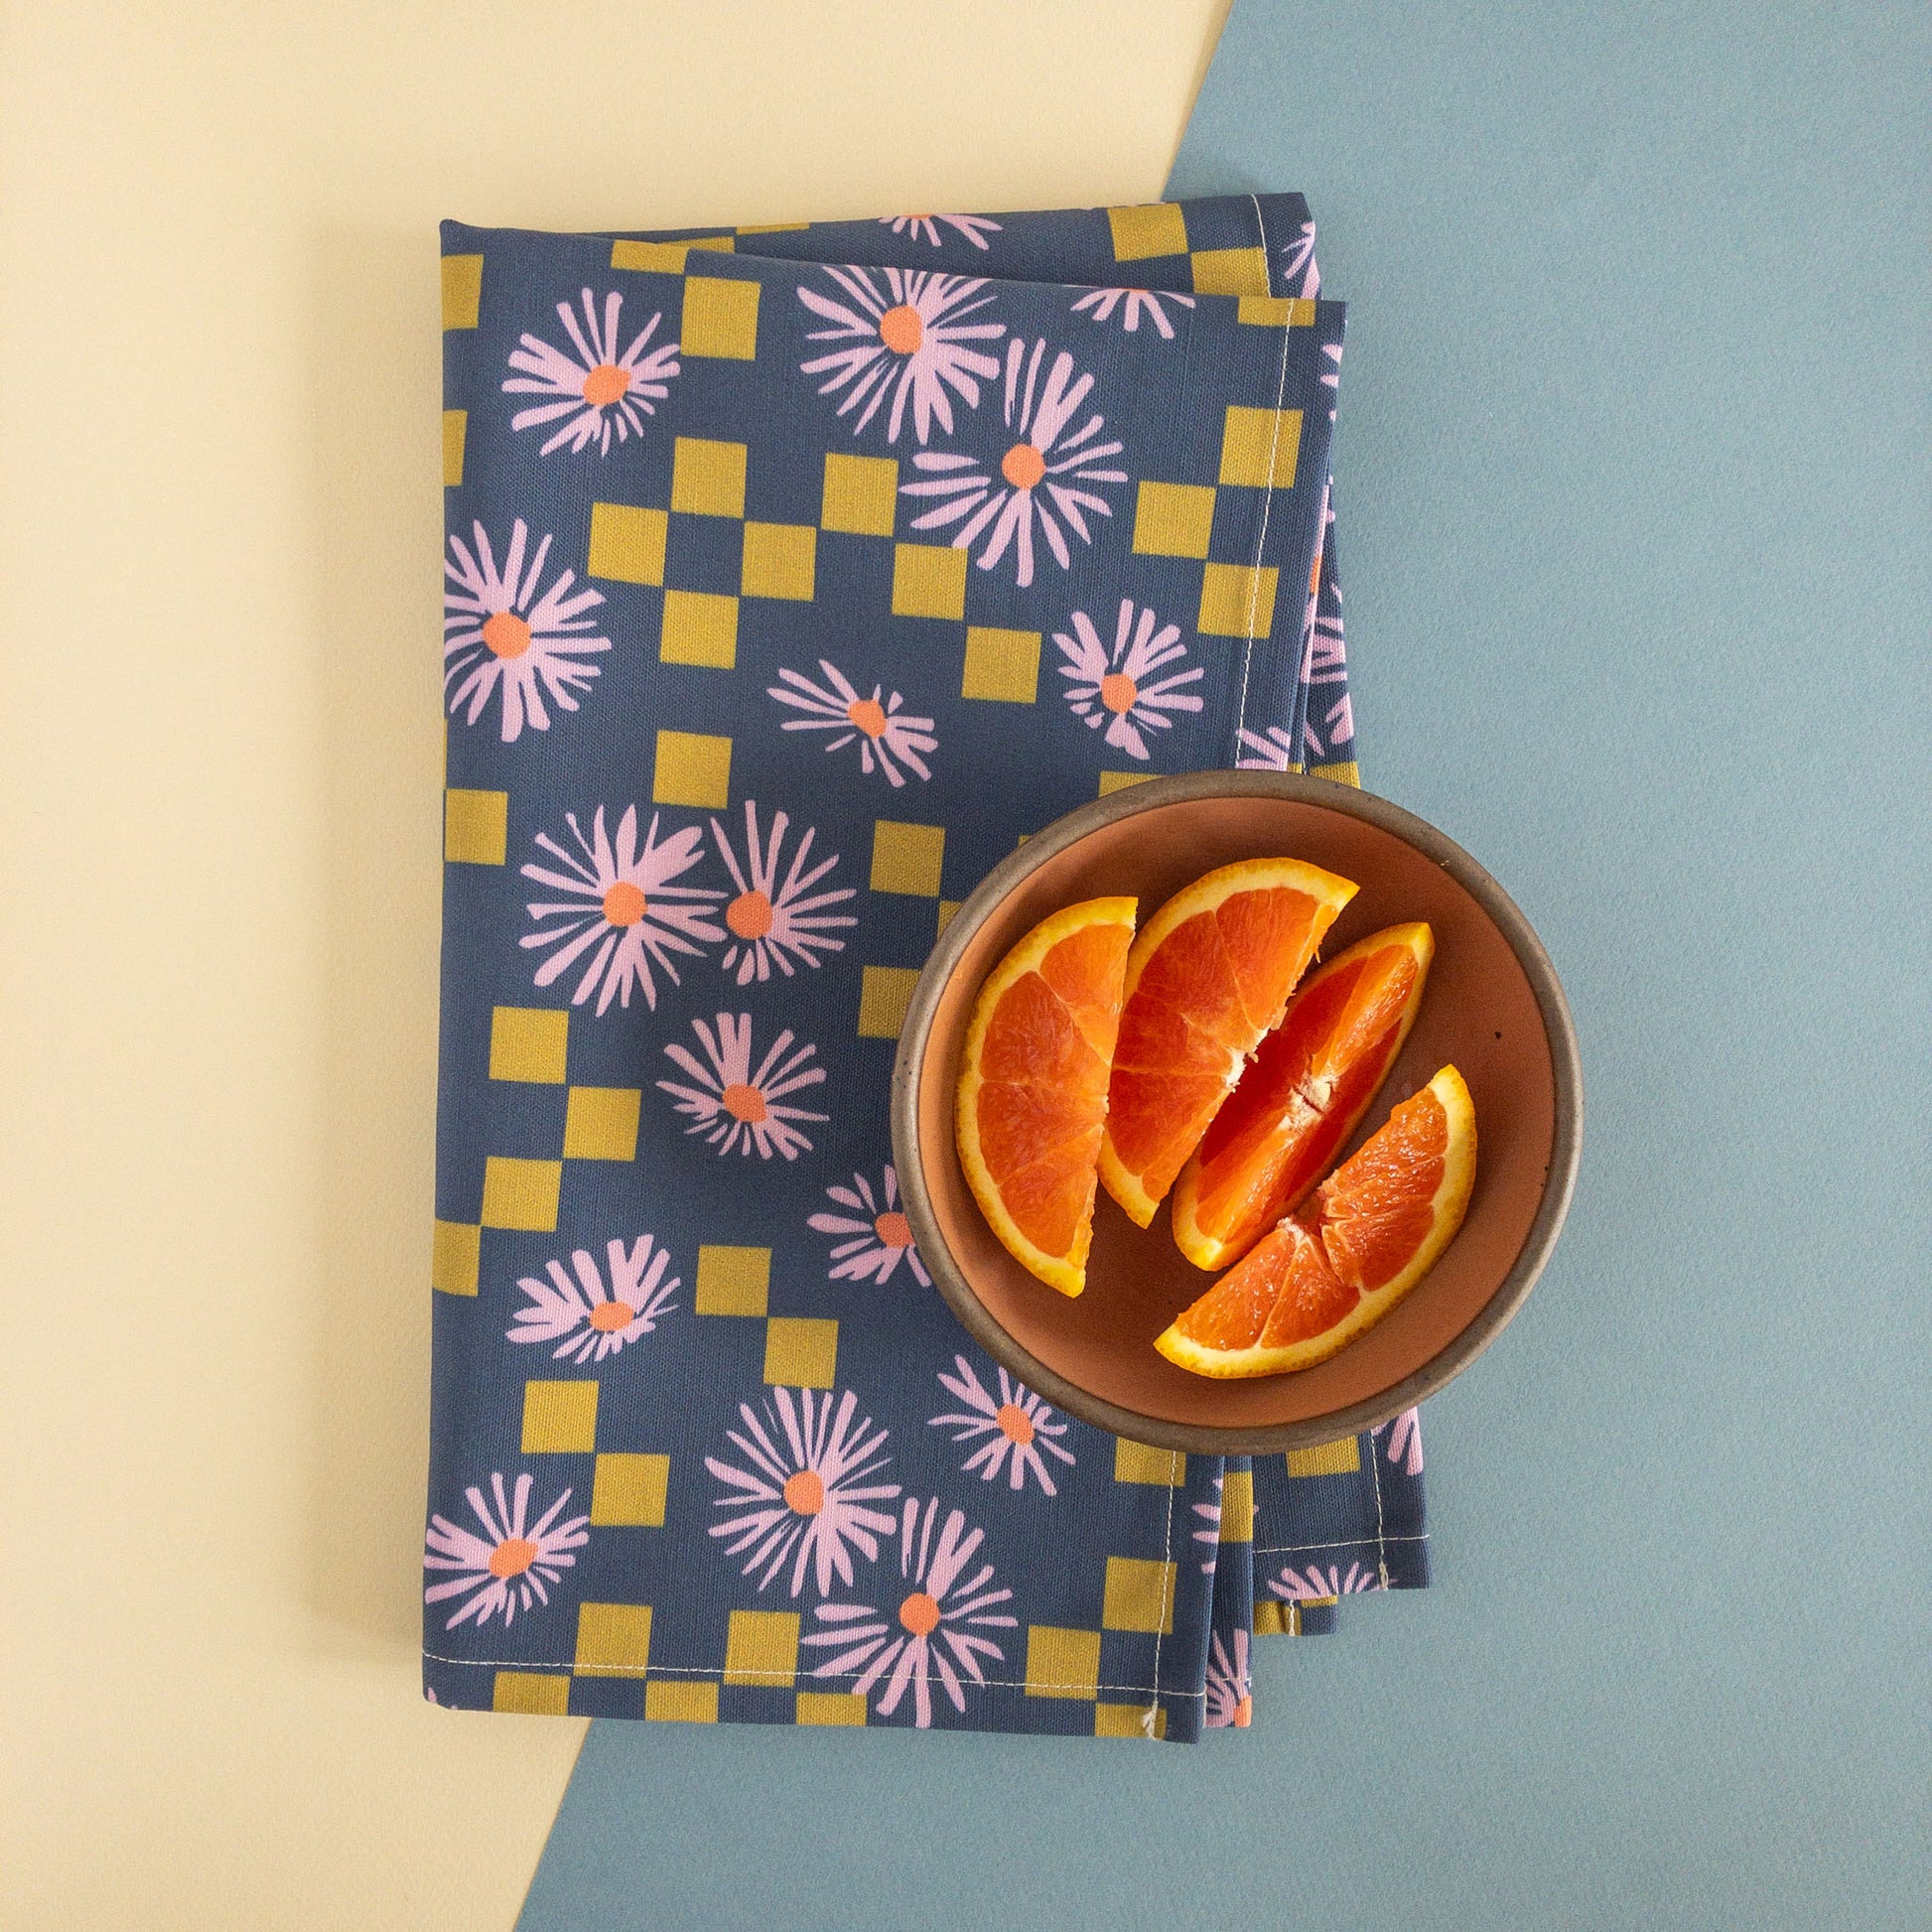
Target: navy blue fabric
[(705, 1444)]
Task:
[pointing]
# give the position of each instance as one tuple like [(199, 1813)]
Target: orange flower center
[(919, 1614), (1014, 1424), (1023, 466), (507, 635), (749, 915), (805, 1492), (1118, 691), (624, 903), (869, 715), (605, 384), (895, 1230), (900, 330), (745, 1103), (513, 1557), (609, 1317), (1244, 1713)]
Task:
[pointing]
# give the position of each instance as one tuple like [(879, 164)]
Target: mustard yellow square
[(521, 1193), (761, 1647), (1260, 447), (1062, 1663), (1157, 228), (627, 543), (559, 1418), (830, 1707), (700, 628), (1276, 310), (928, 581), (692, 768), (1275, 1620), (601, 1124), (456, 427), (1237, 601), (1348, 772), (1174, 519), (1238, 1507), (627, 1492), (682, 1701), (1001, 665), (801, 1352), (721, 318), (613, 1639), (1130, 1720), (1340, 1458), (462, 290), (1138, 1462), (707, 477), (475, 827), (781, 560), (906, 858), (1113, 781), (733, 1281), (528, 1043), (455, 1257), (533, 1693), (861, 495), (650, 257), (885, 993), (1139, 1596), (947, 907), (1231, 271)]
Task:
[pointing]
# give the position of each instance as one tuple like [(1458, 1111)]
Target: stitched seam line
[(1345, 1543), (718, 1670), (1267, 504)]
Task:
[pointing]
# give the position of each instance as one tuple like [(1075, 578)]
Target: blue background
[(1633, 462)]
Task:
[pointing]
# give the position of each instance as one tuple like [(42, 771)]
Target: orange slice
[(1303, 1094), (1327, 1275), (1207, 981), (1032, 1085)]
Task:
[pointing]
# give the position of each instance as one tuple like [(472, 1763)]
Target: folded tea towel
[(793, 576)]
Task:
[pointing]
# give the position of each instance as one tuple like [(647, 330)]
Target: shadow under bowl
[(1493, 1007)]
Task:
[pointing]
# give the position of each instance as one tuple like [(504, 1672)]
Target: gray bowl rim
[(1559, 1185)]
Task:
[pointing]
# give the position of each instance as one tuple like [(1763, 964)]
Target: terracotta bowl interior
[(1479, 1011)]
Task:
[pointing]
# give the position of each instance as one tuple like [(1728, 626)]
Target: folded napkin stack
[(793, 576)]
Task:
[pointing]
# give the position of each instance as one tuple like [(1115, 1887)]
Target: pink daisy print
[(875, 1236), (502, 636), (1271, 749), (1230, 1689), (736, 1110), (773, 922), (886, 737), (805, 1495), (1115, 687), (618, 908), (1016, 1429), (1318, 1585), (597, 390), (511, 1566), (925, 228), (585, 1318), (1324, 662), (1298, 258), (933, 1631), (1038, 480), (1208, 1530), (1134, 304), (1402, 1442), (910, 341)]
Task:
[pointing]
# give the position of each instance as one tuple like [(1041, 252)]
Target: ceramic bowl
[(1493, 1007)]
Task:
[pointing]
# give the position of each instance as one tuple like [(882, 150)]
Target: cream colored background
[(218, 542)]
